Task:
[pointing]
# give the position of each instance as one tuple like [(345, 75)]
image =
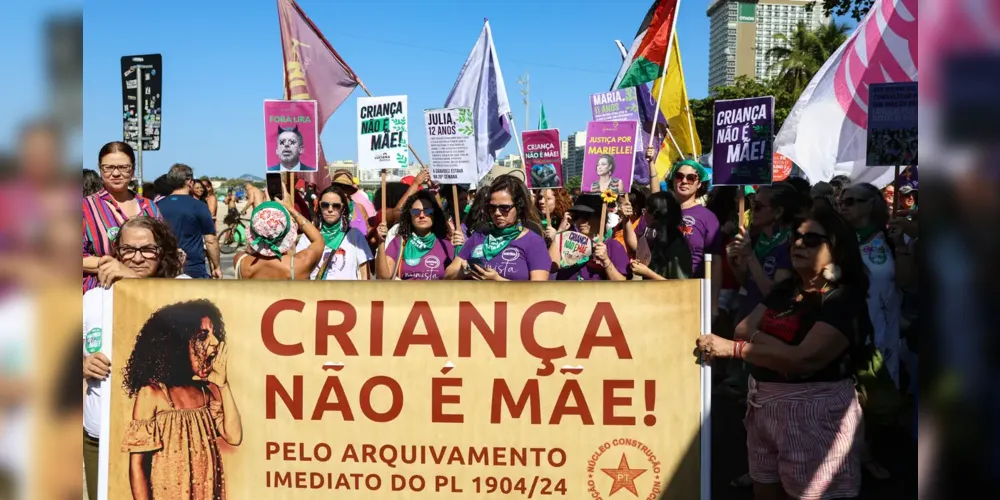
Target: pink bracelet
[(738, 349)]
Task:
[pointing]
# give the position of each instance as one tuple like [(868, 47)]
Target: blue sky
[(223, 58), (24, 96)]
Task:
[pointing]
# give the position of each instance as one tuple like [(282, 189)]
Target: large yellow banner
[(372, 390)]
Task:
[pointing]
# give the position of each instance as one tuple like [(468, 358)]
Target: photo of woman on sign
[(605, 177), (183, 403)]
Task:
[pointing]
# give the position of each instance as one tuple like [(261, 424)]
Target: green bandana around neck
[(417, 247), (865, 233), (333, 234), (273, 243), (498, 239), (765, 245)]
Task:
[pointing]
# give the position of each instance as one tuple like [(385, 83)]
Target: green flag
[(543, 124)]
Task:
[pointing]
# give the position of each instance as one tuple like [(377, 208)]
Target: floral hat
[(272, 232)]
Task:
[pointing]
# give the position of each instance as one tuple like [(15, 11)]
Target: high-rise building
[(563, 149), (575, 146), (742, 33)]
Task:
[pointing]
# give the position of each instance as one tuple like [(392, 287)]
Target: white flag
[(480, 87), (826, 132)]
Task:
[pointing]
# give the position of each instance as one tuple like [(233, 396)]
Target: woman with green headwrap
[(346, 252), (274, 228), (421, 249)]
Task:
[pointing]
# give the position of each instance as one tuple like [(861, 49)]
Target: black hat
[(587, 203)]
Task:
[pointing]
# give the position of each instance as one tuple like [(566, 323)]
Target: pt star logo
[(624, 477)]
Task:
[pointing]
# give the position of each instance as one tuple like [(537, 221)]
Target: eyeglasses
[(850, 202), (125, 169), (415, 212), (148, 252), (325, 205), (681, 176), (504, 209), (810, 240)]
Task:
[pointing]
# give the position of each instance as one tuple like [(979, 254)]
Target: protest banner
[(542, 158), (620, 105), (742, 141), (291, 136), (892, 124), (574, 247), (375, 392), (451, 140), (609, 158), (382, 136)]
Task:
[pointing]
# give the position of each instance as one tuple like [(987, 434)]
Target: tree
[(858, 9), (573, 183), (743, 87), (801, 54)]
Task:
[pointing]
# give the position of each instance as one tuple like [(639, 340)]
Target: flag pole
[(666, 67)]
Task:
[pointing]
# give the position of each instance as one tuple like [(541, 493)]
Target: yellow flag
[(675, 107)]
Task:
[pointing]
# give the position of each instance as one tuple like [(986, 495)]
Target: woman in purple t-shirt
[(421, 239), (512, 247), (609, 261), (689, 182)]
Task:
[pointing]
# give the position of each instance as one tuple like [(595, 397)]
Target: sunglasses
[(415, 212), (504, 209), (148, 252), (325, 205), (850, 202), (810, 240), (680, 176), (759, 206)]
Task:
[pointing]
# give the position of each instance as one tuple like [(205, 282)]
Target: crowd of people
[(812, 285)]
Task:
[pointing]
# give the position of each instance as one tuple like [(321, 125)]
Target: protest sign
[(782, 167), (291, 136), (382, 137), (376, 392), (743, 139), (892, 124), (609, 158), (542, 158), (451, 140), (573, 247), (615, 106)]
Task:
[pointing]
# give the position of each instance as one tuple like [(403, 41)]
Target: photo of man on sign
[(291, 142)]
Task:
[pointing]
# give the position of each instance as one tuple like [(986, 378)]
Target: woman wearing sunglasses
[(512, 247), (609, 260), (346, 253), (421, 239), (801, 343)]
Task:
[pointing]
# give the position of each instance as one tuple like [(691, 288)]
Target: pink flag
[(313, 70), (825, 134)]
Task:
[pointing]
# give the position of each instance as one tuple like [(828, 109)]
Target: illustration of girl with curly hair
[(183, 404)]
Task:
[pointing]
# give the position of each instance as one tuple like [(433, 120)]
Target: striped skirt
[(806, 436)]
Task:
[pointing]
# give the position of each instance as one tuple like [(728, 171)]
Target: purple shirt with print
[(523, 255), (592, 270), (701, 230), (431, 266), (779, 257)]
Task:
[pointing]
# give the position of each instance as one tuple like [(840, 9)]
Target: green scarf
[(865, 233), (764, 245), (273, 243), (417, 247), (333, 234), (497, 240)]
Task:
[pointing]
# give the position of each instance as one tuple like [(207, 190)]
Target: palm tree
[(803, 53)]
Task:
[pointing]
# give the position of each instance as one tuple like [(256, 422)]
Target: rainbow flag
[(648, 54)]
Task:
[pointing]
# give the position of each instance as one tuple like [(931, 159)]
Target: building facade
[(575, 147), (742, 32)]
